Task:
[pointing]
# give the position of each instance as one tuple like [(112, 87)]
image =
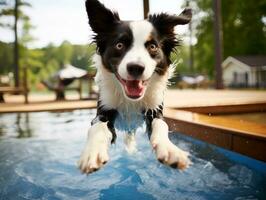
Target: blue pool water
[(39, 151)]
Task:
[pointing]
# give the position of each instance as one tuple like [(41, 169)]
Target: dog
[(133, 68)]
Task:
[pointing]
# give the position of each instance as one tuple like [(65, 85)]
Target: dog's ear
[(184, 17), (101, 19), (165, 23)]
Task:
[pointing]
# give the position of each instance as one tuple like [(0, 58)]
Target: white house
[(244, 71)]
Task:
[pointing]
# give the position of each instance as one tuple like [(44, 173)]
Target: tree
[(244, 32), (64, 53), (6, 57), (82, 56), (244, 29), (180, 58), (17, 13), (42, 63)]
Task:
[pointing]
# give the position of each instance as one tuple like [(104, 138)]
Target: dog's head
[(134, 50)]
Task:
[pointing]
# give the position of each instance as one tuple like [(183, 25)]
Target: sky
[(59, 20)]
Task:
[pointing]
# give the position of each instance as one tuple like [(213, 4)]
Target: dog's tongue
[(134, 88)]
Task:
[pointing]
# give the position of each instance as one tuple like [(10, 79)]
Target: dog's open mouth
[(134, 89)]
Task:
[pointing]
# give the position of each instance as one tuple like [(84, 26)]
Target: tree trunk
[(16, 47), (146, 8), (218, 43)]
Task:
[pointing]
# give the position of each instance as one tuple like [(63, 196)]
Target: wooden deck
[(234, 120), (198, 98), (41, 102), (46, 106), (173, 99)]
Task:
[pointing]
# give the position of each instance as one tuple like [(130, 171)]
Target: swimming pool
[(39, 151)]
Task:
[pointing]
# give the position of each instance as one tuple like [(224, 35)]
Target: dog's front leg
[(166, 151), (100, 136), (95, 153)]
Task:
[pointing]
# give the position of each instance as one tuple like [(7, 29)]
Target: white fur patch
[(165, 150), (138, 53), (130, 142), (112, 95), (95, 153)]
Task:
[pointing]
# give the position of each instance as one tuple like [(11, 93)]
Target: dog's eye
[(119, 46), (152, 48)]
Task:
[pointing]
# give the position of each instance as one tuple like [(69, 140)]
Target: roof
[(252, 61), (70, 72)]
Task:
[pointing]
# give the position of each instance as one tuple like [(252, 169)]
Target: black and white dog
[(133, 68)]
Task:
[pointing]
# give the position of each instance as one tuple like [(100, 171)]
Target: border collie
[(133, 68)]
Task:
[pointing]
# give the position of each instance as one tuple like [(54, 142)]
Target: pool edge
[(251, 145)]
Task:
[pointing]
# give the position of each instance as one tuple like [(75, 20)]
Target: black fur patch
[(110, 115), (106, 115), (164, 25), (109, 30), (149, 115), (101, 20), (111, 57), (159, 56)]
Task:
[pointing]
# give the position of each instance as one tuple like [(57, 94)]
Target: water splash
[(44, 166)]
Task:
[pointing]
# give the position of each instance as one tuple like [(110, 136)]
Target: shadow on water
[(2, 127), (1, 131), (24, 129)]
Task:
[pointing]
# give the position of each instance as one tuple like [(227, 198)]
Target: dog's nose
[(135, 69)]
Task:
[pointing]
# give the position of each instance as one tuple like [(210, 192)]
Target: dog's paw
[(95, 154), (169, 154), (92, 159)]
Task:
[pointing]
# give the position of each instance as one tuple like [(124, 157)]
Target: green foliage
[(54, 58), (245, 26), (64, 53), (26, 38), (26, 57), (10, 12), (82, 56), (31, 59), (180, 58), (6, 57), (244, 32), (44, 62)]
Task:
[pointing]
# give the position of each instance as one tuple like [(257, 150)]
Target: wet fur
[(136, 38)]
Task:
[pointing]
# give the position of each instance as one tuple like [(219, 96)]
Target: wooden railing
[(22, 89)]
